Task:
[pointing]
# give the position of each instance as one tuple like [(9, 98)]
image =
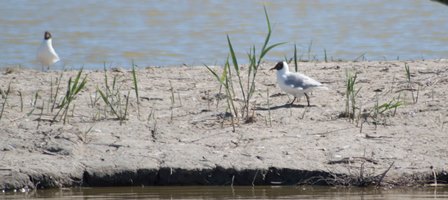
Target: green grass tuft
[(5, 97), (247, 90), (351, 94), (74, 86)]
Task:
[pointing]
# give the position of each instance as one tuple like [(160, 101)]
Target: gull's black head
[(47, 35), (278, 66)]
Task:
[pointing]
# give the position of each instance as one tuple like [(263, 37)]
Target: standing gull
[(294, 83), (46, 54)]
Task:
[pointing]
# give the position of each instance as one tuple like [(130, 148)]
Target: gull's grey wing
[(301, 81)]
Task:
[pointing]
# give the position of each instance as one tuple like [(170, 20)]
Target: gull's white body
[(46, 54), (295, 83)]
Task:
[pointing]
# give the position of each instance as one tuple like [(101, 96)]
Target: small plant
[(351, 94), (94, 101), (34, 103), (153, 128), (112, 97), (21, 101), (94, 98), (408, 72), (135, 83), (361, 57), (379, 110), (379, 113), (388, 106), (83, 135), (254, 63), (73, 88), (40, 115), (54, 98), (325, 55), (310, 45), (410, 87), (224, 82), (296, 66), (5, 97)]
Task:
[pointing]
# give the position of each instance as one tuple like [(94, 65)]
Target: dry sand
[(189, 140)]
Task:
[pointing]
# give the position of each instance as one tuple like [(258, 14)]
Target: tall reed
[(254, 65), (351, 94)]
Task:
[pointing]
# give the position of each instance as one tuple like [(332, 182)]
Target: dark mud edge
[(216, 176)]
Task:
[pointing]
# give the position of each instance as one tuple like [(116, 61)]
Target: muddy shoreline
[(178, 133)]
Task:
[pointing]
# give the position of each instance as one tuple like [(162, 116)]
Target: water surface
[(175, 32), (227, 192)]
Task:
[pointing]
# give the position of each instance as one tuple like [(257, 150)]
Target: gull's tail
[(321, 87)]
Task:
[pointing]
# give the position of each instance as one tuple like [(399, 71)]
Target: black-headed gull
[(46, 54), (294, 83)]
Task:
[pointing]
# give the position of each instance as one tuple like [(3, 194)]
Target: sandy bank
[(180, 135)]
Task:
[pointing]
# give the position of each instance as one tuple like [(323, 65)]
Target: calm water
[(175, 32), (232, 193)]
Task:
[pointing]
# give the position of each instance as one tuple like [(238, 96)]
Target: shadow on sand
[(283, 106)]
